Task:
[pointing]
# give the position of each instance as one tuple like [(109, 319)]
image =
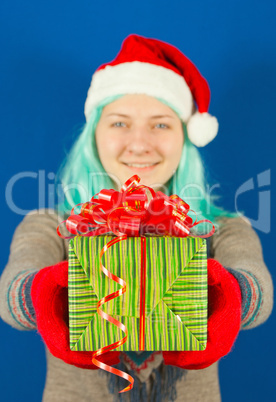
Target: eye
[(118, 124), (161, 125)]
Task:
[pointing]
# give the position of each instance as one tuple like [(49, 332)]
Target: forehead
[(138, 104)]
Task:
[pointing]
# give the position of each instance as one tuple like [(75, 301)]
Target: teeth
[(140, 165)]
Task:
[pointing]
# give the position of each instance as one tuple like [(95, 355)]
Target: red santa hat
[(158, 69)]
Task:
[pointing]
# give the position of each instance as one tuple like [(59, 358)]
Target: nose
[(139, 142)]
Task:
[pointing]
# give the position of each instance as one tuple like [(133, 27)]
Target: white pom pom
[(202, 128)]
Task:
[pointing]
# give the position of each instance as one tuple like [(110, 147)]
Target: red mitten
[(224, 321), (49, 294)]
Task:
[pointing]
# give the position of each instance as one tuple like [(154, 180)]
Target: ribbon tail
[(115, 371), (212, 231), (112, 320)]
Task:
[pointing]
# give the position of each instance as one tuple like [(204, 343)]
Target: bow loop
[(135, 210)]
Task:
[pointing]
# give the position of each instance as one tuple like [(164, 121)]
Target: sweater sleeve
[(35, 245), (238, 248)]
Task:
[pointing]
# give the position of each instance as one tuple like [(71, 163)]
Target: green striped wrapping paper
[(176, 293)]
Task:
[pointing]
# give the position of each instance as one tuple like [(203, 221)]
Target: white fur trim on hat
[(140, 78), (202, 128)]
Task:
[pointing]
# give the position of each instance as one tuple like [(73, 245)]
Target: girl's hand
[(224, 321), (50, 299), (49, 294)]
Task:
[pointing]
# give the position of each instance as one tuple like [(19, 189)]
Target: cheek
[(172, 149), (108, 146)]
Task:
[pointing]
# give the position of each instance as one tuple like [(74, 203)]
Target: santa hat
[(158, 69)]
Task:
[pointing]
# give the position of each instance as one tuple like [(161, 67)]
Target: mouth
[(141, 167)]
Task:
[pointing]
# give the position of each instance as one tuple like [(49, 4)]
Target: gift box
[(165, 303)]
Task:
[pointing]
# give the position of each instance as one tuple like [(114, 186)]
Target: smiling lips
[(141, 166)]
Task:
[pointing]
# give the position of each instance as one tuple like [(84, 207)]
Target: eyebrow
[(151, 117), (162, 115), (117, 114)]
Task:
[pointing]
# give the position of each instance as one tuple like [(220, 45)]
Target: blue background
[(49, 51)]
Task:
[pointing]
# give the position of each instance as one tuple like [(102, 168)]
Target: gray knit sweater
[(35, 245)]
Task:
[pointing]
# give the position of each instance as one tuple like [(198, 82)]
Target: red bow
[(134, 211)]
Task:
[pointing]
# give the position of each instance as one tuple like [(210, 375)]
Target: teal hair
[(189, 183), (82, 175)]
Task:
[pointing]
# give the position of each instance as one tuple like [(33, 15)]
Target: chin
[(151, 182), (147, 178)]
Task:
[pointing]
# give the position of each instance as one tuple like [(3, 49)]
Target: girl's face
[(137, 134)]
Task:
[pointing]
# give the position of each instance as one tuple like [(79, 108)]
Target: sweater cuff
[(19, 300), (251, 294)]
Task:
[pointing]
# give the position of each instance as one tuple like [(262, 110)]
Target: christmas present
[(164, 306), (148, 282)]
